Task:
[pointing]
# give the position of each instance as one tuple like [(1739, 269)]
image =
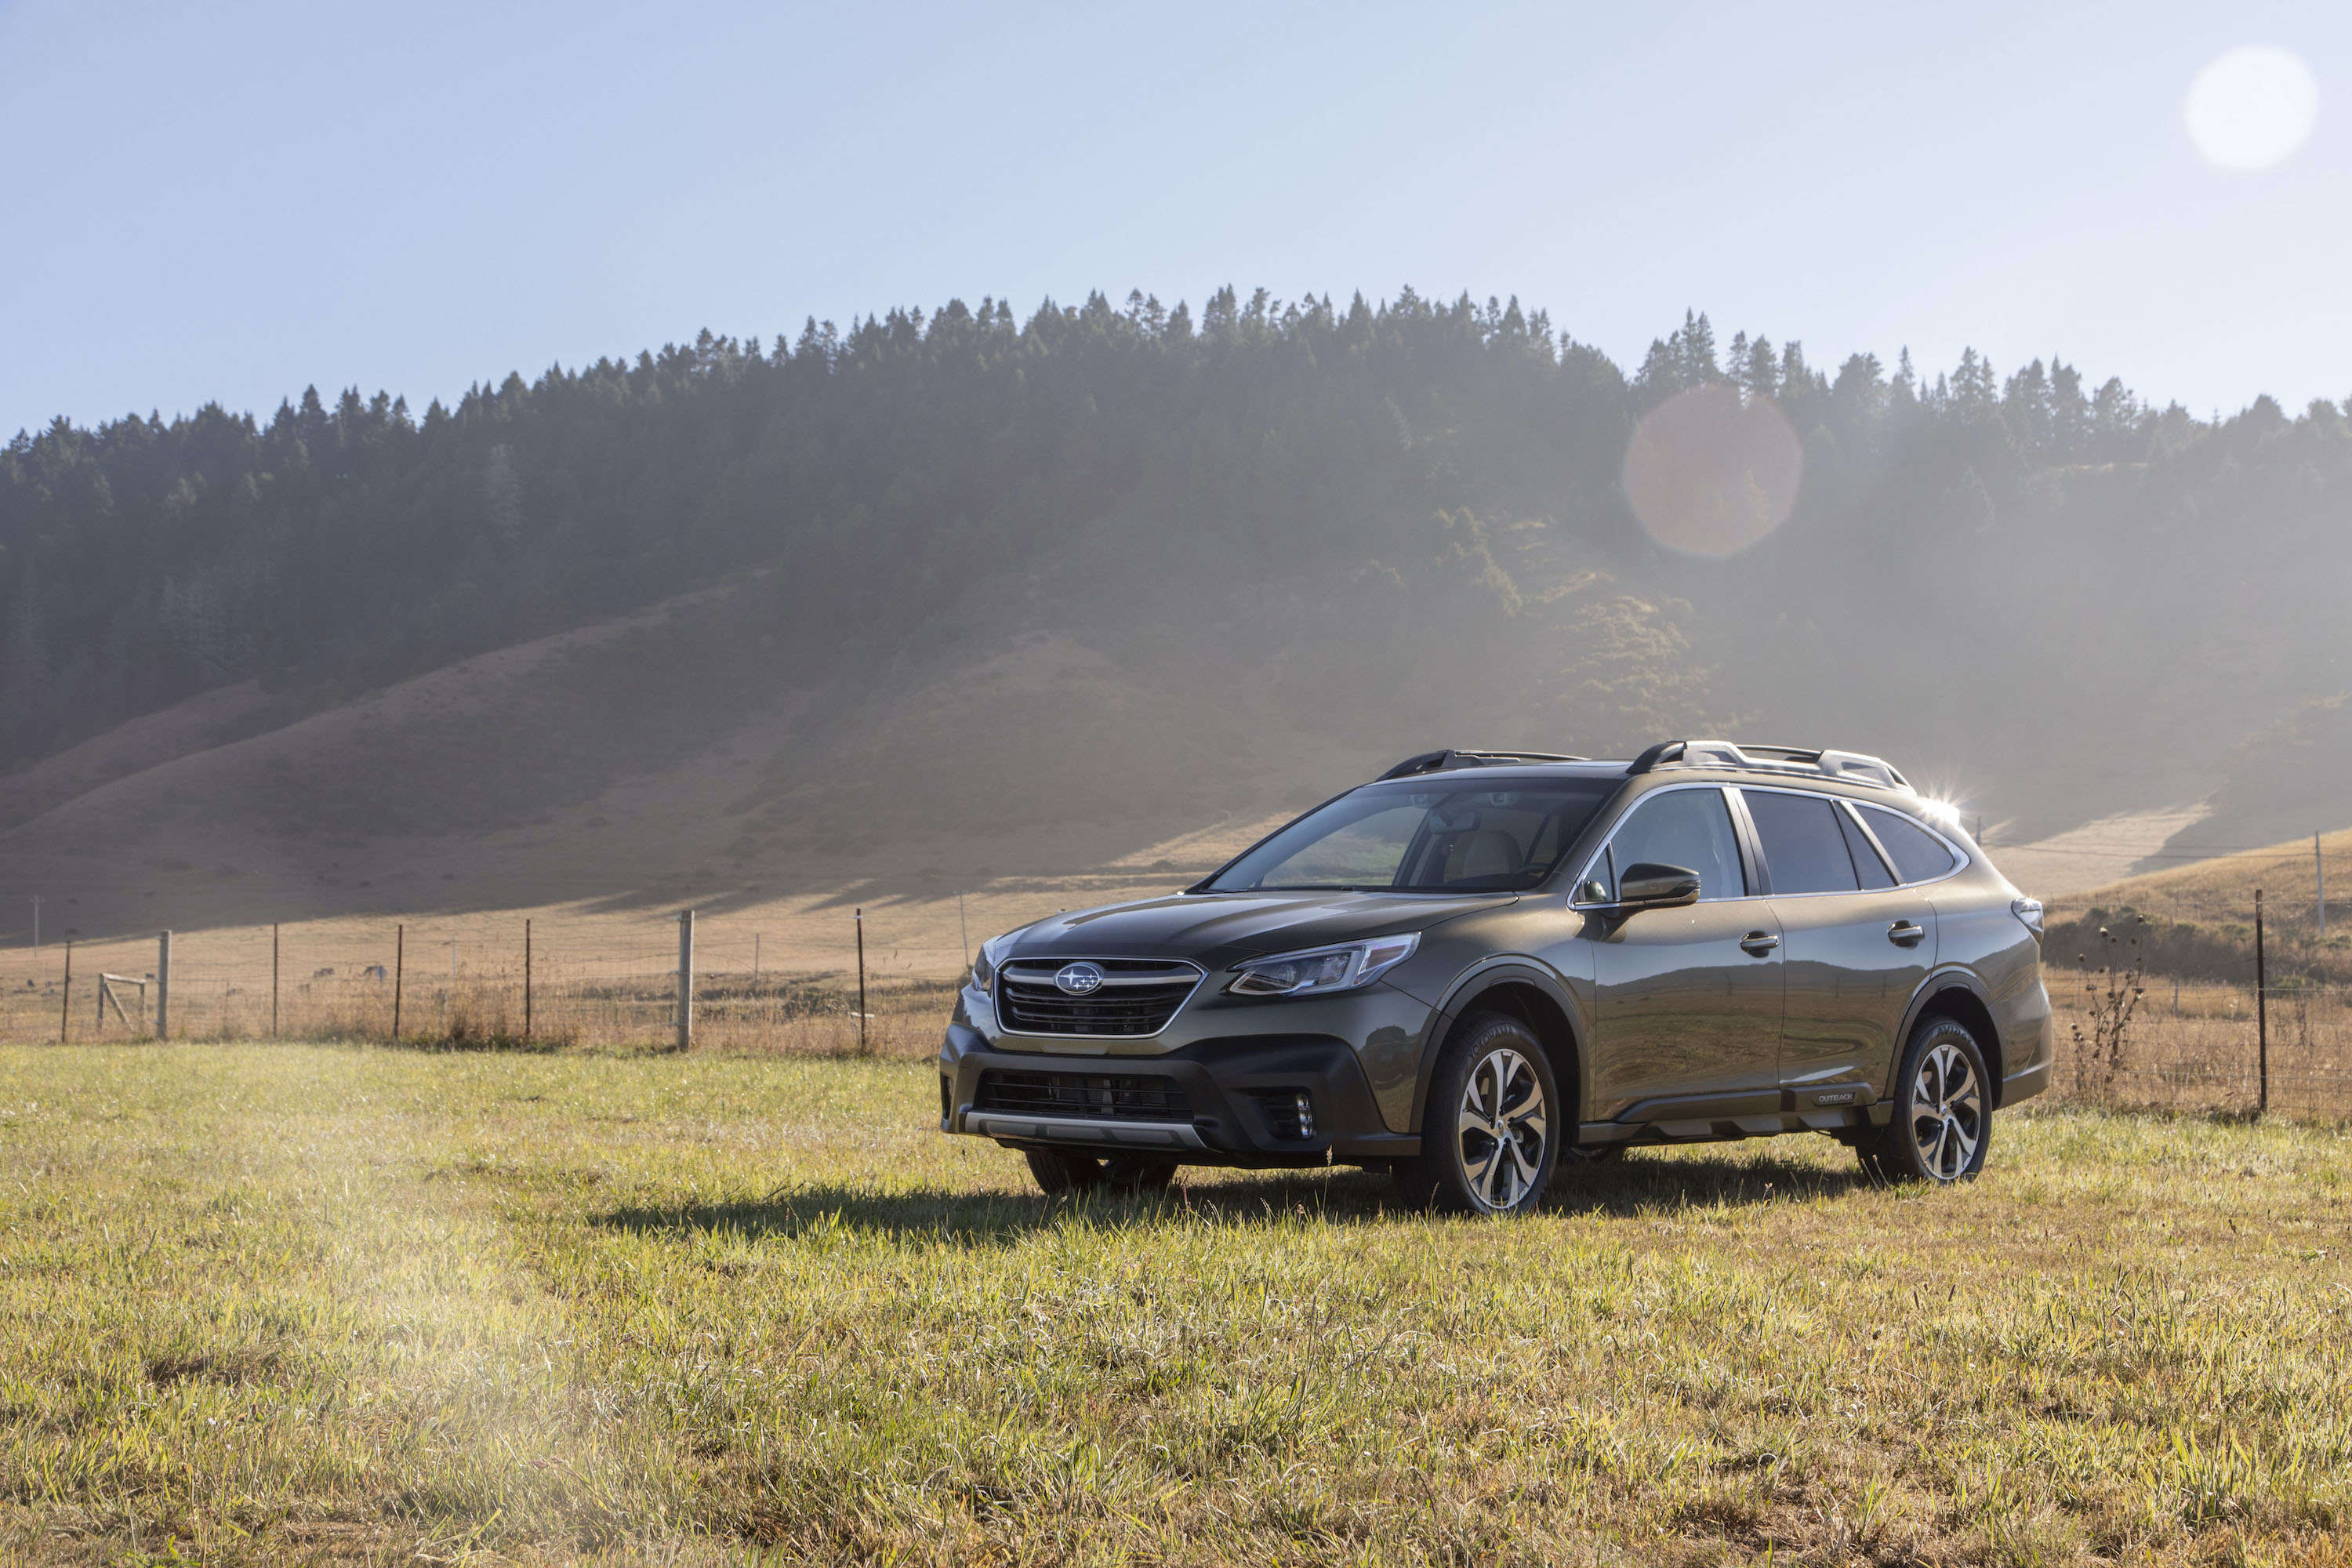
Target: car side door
[(1858, 945), (1686, 1000)]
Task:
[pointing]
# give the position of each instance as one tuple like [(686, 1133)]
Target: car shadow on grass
[(1624, 1189)]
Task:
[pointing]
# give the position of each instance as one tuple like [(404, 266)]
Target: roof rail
[(1441, 762), (1849, 766)]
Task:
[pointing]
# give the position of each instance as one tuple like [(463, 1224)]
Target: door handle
[(1759, 943), (1906, 934)]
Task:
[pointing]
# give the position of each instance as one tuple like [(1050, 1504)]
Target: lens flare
[(1710, 473), (2252, 108)]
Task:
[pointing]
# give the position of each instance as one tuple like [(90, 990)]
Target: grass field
[(275, 1303)]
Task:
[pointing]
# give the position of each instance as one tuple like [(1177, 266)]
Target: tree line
[(895, 482)]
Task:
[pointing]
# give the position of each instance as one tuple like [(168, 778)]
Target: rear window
[(1919, 854)]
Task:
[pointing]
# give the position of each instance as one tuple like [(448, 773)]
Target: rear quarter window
[(1919, 854)]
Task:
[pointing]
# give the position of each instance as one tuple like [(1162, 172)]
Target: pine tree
[(2070, 412), (1696, 356), (1973, 385)]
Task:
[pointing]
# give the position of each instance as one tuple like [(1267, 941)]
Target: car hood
[(1215, 929)]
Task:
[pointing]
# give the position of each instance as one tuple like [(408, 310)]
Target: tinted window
[(1425, 838), (1685, 827), (1866, 863), (1803, 846), (1919, 854)]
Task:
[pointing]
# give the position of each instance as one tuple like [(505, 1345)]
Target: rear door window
[(1919, 854), (1802, 847)]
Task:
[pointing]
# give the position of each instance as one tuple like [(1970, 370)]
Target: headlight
[(992, 954), (1340, 968)]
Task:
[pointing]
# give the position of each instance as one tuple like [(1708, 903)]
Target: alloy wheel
[(1947, 1112), (1500, 1127)]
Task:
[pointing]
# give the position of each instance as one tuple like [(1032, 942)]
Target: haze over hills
[(955, 596)]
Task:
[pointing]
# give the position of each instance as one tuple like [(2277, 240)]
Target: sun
[(2252, 108)]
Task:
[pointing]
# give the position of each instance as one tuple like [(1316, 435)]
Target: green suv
[(1481, 965)]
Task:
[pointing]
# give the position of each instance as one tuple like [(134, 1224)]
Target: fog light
[(1306, 1114)]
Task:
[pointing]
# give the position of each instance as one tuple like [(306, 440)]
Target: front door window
[(1686, 827)]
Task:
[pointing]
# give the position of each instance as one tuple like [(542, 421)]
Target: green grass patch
[(260, 1303)]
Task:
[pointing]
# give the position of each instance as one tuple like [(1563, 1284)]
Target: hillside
[(672, 754), (2197, 920), (951, 596)]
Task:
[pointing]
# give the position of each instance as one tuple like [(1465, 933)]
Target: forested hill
[(1367, 528)]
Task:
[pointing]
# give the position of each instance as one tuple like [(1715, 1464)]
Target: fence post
[(399, 970), (685, 980), (273, 980), (65, 1013), (2319, 878), (2262, 1014), (164, 986), (861, 983), (526, 979)]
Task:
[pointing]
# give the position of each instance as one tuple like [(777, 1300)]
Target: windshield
[(1500, 838)]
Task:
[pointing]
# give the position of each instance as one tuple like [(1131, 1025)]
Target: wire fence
[(798, 984), (817, 983), (2202, 1045)]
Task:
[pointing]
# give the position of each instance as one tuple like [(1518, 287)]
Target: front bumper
[(1219, 1101)]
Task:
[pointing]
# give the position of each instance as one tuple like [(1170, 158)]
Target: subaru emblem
[(1079, 979)]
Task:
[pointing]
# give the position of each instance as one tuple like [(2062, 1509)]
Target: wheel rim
[(1500, 1128), (1947, 1112)]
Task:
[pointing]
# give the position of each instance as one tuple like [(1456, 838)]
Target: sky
[(230, 202)]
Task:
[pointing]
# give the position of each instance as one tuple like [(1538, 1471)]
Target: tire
[(1486, 1149), (1942, 1123), (1058, 1173)]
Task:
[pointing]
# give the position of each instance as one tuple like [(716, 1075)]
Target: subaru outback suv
[(1481, 965)]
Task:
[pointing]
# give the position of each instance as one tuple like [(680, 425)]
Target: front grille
[(1138, 995), (1113, 1097)]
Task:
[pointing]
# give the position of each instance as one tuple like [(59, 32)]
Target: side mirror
[(1646, 886)]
